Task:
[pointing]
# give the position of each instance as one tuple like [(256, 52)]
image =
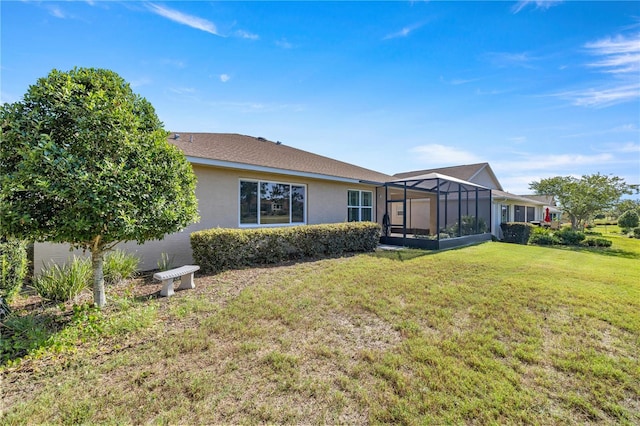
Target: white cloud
[(403, 32), (605, 96), (436, 155), (183, 90), (140, 82), (247, 35), (539, 4), (618, 57), (507, 59), (224, 78), (518, 139), (284, 44), (618, 54), (529, 162), (57, 12), (183, 18)]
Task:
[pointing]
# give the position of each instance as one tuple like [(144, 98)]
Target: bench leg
[(186, 282), (167, 288)]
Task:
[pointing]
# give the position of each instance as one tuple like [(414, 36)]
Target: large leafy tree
[(85, 161), (582, 198)]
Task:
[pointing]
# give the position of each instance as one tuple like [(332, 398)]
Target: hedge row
[(219, 249)]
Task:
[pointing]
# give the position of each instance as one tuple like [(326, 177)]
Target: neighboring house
[(246, 182), (506, 207), (549, 201)]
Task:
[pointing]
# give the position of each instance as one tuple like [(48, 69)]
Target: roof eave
[(265, 169)]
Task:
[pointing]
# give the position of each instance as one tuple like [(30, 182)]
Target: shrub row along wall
[(219, 249)]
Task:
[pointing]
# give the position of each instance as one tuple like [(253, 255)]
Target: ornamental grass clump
[(120, 265), (63, 283)]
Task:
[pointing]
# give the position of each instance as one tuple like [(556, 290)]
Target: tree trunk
[(97, 262)]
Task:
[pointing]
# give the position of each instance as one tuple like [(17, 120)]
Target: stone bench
[(186, 279)]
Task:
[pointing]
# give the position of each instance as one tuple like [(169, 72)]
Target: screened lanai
[(435, 211)]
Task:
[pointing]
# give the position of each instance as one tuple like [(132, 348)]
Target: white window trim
[(360, 206), (274, 225)]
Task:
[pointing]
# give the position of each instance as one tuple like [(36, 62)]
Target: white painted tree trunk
[(97, 262)]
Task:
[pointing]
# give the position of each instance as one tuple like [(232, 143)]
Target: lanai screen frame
[(446, 189)]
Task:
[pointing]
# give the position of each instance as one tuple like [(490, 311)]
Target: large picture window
[(359, 206), (271, 203)]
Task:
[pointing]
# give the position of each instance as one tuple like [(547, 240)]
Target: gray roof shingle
[(243, 150)]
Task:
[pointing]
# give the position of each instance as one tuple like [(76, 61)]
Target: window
[(271, 203), (359, 206), (531, 213), (518, 213), (504, 213)]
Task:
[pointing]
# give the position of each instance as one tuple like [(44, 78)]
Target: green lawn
[(492, 333)]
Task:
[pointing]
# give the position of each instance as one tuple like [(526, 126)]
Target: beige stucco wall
[(217, 192)]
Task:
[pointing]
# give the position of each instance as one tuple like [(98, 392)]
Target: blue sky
[(537, 89)]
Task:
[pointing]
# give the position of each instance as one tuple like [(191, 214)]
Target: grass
[(492, 333)]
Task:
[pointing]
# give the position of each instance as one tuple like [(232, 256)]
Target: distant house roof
[(501, 195), (258, 154), (465, 172), (548, 200)]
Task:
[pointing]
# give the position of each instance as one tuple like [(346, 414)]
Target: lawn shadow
[(603, 251)]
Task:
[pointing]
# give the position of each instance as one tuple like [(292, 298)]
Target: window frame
[(360, 206), (259, 183)]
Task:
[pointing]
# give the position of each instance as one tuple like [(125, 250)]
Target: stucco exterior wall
[(217, 192)]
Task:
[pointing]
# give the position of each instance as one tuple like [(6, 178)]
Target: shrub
[(218, 249), (13, 267), (516, 232), (62, 283), (597, 242), (636, 232), (543, 237), (628, 220), (468, 226), (569, 237), (120, 265)]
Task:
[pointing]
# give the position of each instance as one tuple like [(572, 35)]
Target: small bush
[(62, 283), (636, 232), (543, 237), (628, 220), (120, 265), (597, 242), (569, 237), (218, 249), (516, 232), (13, 267)]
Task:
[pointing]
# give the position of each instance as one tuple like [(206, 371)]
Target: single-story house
[(248, 182)]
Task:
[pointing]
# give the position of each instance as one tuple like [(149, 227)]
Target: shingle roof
[(246, 151), (546, 199), (497, 194), (464, 172)]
